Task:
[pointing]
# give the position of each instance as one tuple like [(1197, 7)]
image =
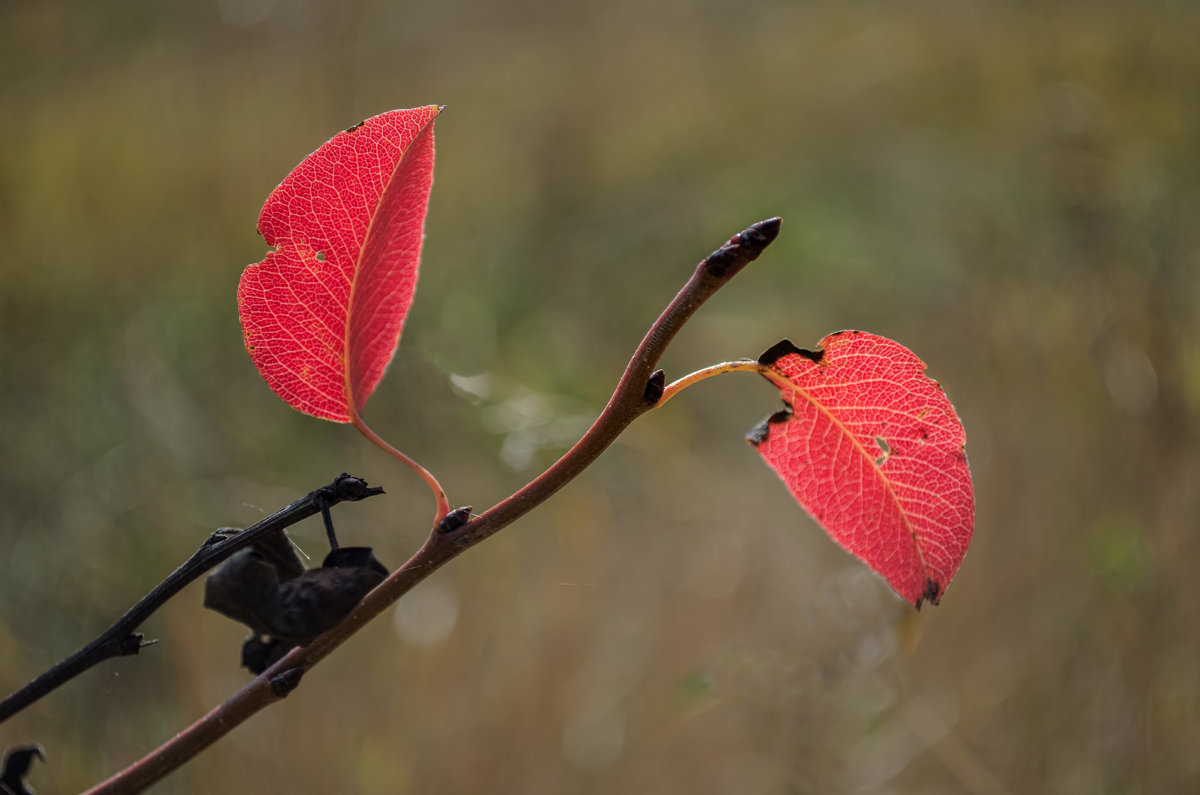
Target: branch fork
[(641, 388)]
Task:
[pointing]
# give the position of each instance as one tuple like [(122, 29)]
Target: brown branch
[(120, 639), (637, 392)]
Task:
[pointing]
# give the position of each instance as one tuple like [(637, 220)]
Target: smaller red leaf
[(323, 312), (872, 448)]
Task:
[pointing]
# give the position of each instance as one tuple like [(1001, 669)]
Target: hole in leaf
[(320, 256), (885, 450)]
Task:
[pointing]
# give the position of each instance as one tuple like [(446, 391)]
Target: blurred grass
[(1008, 188)]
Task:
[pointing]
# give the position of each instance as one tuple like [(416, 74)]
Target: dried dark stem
[(120, 639), (15, 767), (637, 392)]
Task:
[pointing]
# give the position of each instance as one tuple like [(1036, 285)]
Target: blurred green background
[(1010, 189)]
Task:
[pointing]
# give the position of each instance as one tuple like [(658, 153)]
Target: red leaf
[(322, 314), (873, 450)]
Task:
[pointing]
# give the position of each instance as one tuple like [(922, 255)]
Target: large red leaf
[(873, 450), (322, 314)]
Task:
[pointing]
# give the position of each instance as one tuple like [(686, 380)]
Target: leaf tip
[(932, 593)]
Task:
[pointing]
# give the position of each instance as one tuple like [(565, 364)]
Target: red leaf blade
[(323, 312), (873, 450)]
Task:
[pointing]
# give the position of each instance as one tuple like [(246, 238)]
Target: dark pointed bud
[(654, 387), (455, 519), (742, 249), (286, 682)]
